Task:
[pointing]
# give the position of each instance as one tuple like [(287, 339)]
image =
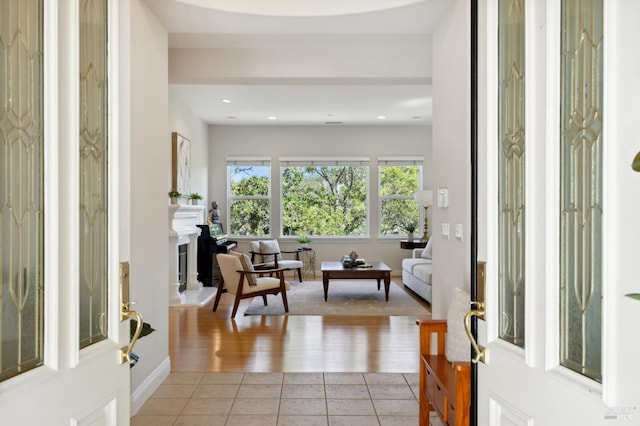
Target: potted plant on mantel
[(194, 197), (174, 195)]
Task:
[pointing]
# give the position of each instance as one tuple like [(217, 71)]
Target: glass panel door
[(21, 186), (93, 171), (581, 187), (511, 169)]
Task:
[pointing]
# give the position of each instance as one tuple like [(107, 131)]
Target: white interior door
[(545, 367), (61, 328)]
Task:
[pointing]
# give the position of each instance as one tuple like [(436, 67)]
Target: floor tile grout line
[(324, 376), (326, 399)]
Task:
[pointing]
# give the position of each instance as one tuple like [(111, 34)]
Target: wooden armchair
[(241, 280), (269, 255)]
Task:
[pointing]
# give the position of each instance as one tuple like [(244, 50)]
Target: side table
[(308, 257), (410, 245)]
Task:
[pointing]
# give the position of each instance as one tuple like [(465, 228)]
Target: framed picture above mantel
[(180, 163)]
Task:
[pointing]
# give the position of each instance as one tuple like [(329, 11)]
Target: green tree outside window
[(324, 200), (398, 185), (250, 200)]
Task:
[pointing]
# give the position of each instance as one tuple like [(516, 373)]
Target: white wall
[(150, 169), (451, 153), (345, 141), (183, 121), (621, 227), (272, 57)]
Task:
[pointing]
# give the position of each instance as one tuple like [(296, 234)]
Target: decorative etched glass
[(511, 166), (21, 187), (581, 187), (93, 171)]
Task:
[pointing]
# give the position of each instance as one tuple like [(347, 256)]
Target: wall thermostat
[(443, 198)]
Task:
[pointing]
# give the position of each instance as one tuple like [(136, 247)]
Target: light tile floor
[(263, 399)]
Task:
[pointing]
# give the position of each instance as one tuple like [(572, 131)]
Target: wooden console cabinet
[(444, 386)]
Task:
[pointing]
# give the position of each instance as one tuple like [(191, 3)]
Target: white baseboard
[(140, 395)]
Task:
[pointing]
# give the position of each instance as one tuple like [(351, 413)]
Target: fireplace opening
[(182, 266)]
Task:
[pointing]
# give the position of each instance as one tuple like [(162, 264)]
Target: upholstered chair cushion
[(248, 267), (270, 246), (254, 247), (265, 283), (245, 261), (235, 283), (265, 254)]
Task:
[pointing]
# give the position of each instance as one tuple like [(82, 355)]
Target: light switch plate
[(445, 231), (443, 198), (459, 231)]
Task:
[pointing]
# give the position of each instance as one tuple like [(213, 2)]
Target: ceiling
[(298, 7), (248, 26), (308, 105)]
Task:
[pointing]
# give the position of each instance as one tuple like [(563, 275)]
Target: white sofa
[(416, 272)]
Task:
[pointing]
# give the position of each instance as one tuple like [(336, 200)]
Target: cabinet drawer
[(440, 400), (430, 385), (451, 414)]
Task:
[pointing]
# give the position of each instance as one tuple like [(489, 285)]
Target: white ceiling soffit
[(299, 7), (257, 24), (307, 105), (413, 17)]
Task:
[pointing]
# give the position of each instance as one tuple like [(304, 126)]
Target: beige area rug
[(346, 297)]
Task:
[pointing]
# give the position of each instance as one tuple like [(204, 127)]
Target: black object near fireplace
[(183, 261), (210, 242)]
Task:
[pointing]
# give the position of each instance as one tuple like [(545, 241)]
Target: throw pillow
[(270, 246), (457, 346), (245, 261), (426, 253), (254, 246), (247, 266)]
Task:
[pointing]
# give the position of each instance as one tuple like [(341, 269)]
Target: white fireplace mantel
[(183, 219)]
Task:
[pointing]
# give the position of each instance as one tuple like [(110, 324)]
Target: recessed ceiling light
[(382, 117), (272, 118), (225, 100), (232, 118)]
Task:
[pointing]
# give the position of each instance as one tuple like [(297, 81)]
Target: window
[(511, 172), (581, 187), (249, 196), (22, 215), (324, 197), (93, 122), (399, 179)]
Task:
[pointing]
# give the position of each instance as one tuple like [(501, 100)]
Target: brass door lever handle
[(481, 352), (125, 351)]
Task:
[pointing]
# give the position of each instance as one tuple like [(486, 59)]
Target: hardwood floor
[(205, 341)]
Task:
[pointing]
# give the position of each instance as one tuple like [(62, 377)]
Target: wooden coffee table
[(335, 270)]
